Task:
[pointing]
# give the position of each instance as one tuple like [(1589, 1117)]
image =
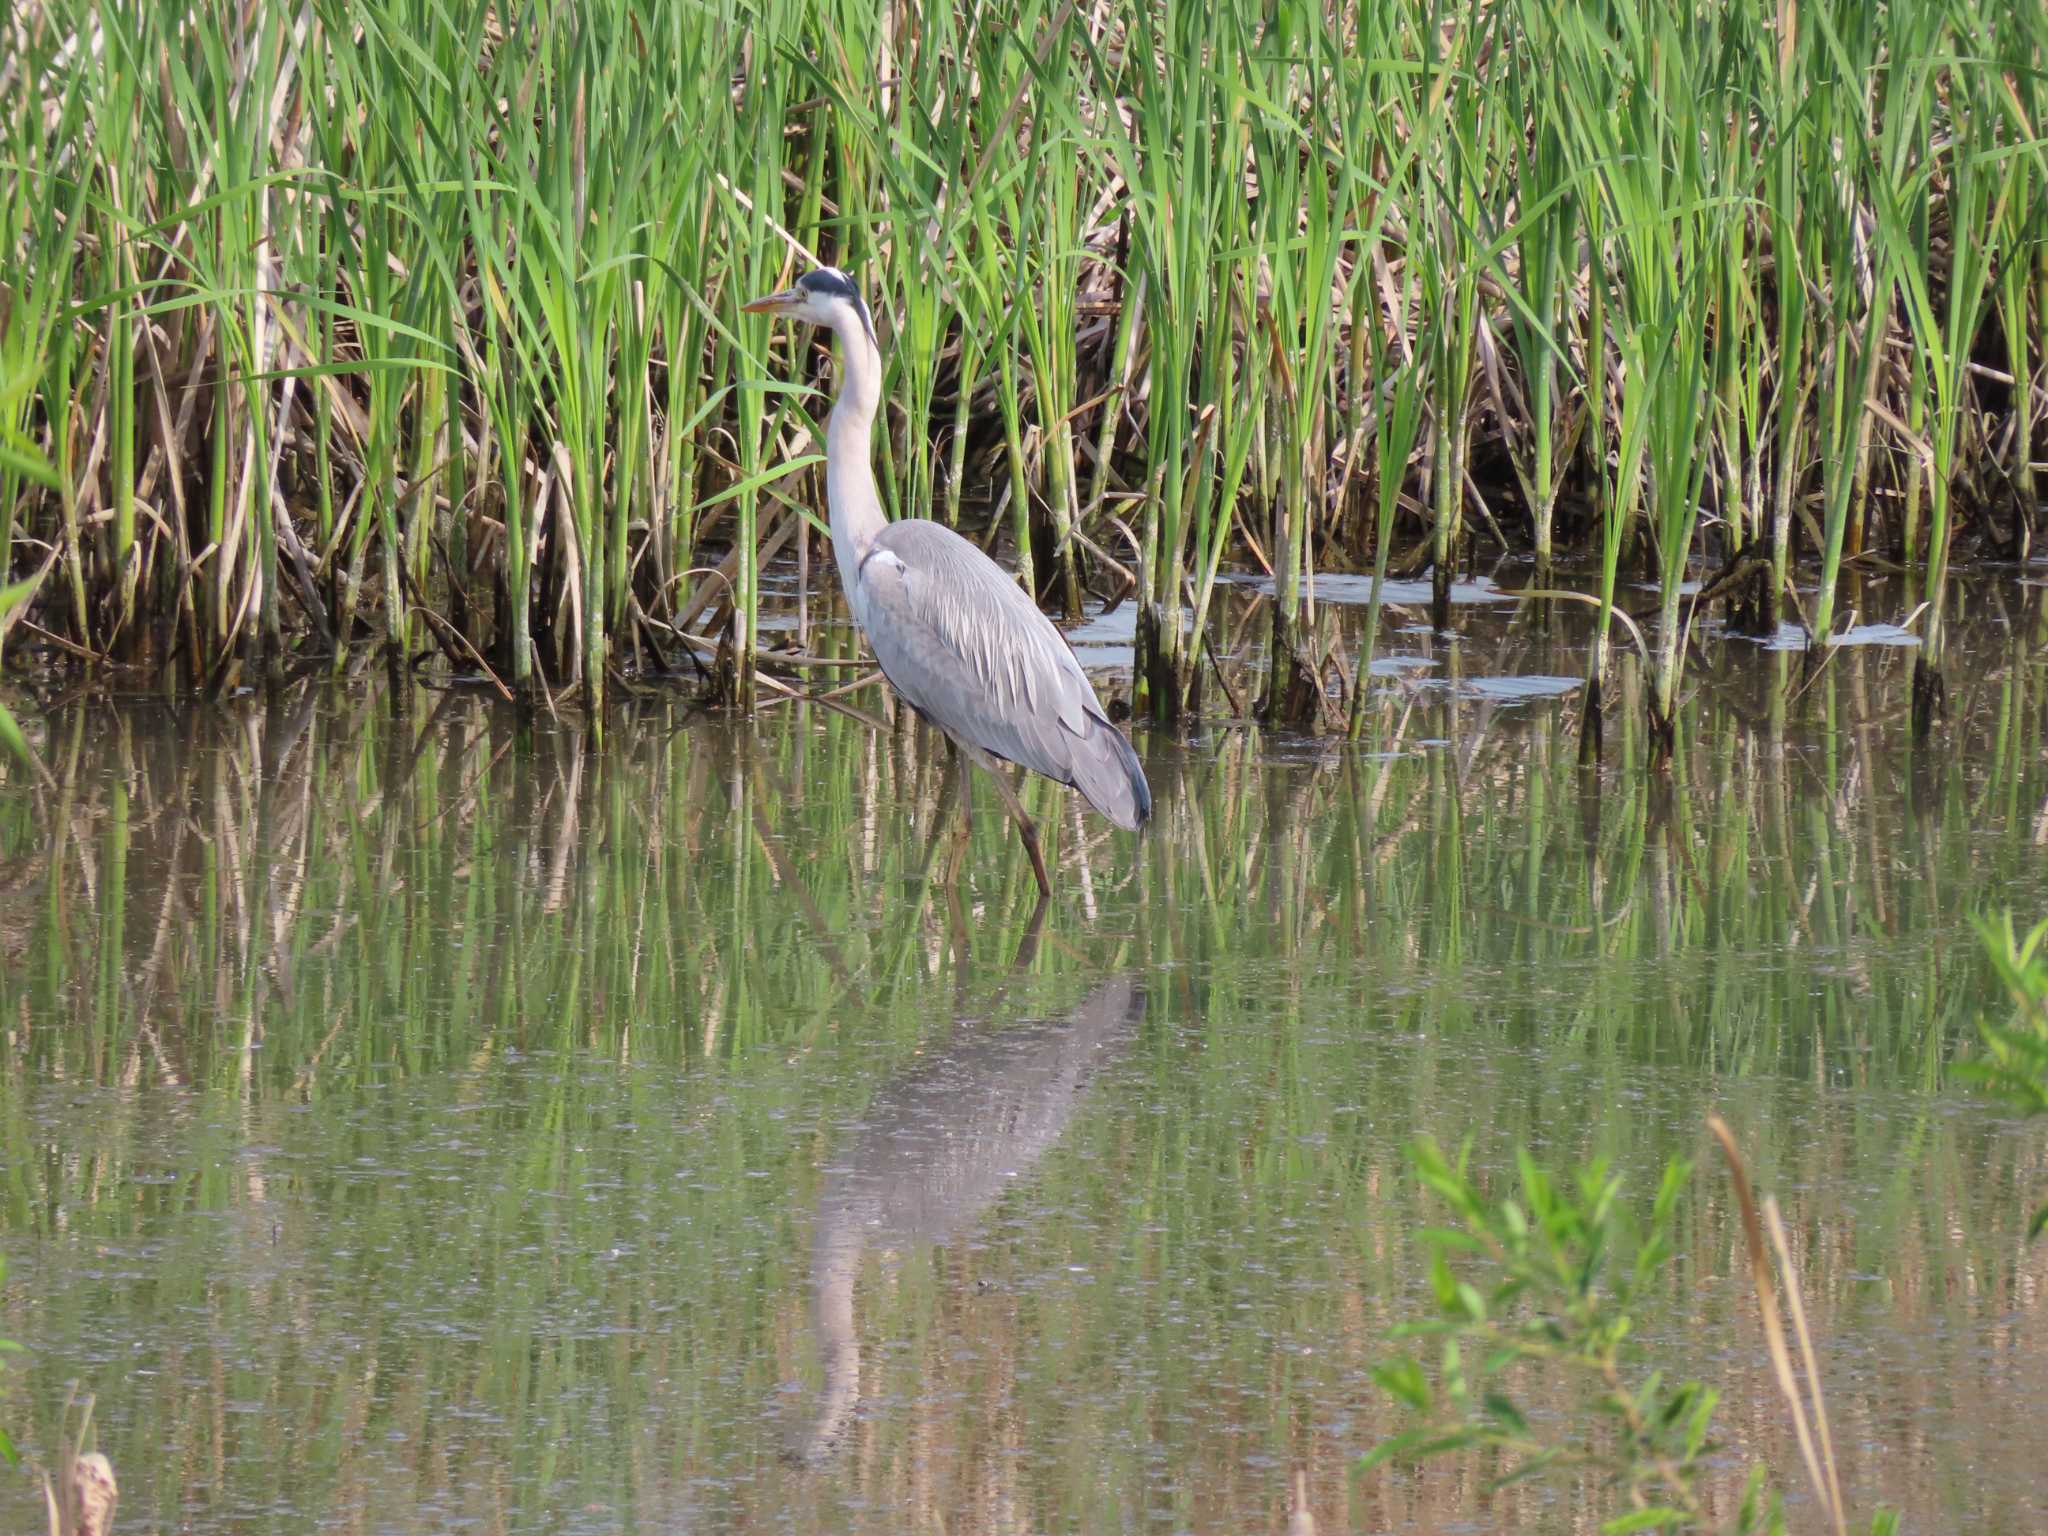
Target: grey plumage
[(963, 644), (936, 1148), (954, 633)]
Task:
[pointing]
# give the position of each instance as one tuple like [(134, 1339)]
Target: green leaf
[(1513, 1220), (1426, 1328), (1445, 1284), (1643, 1520), (1402, 1446), (765, 477), (29, 464), (1754, 1508), (1403, 1378), (1530, 1468), (1702, 1421), (1505, 1412), (2040, 1221), (12, 739), (1676, 1404), (12, 597)]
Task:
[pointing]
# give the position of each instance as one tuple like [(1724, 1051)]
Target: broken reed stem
[(81, 1501), (1825, 1487)]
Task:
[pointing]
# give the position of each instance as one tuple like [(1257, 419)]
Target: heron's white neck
[(857, 518)]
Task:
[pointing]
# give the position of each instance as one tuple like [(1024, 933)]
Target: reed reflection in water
[(407, 1112)]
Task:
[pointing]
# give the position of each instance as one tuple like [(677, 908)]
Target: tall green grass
[(415, 322)]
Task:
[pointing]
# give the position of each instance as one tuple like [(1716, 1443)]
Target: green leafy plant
[(415, 325), (2015, 1060), (1545, 1283), (1550, 1278)]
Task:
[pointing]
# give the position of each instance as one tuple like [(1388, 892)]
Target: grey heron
[(964, 645), (936, 1148)]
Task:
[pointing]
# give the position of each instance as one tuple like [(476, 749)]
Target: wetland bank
[(416, 1120)]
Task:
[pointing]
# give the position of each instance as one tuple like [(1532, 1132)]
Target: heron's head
[(824, 296)]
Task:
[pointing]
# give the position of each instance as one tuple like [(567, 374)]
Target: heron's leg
[(957, 842), (1027, 947), (1026, 828), (966, 798)]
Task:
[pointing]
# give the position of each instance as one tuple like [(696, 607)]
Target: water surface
[(415, 1122)]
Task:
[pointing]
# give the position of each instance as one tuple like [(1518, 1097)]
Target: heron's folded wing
[(959, 639)]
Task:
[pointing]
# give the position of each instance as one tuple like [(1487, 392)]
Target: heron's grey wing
[(940, 1144), (960, 640)]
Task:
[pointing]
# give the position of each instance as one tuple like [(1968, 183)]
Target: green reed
[(1396, 425), (415, 323)]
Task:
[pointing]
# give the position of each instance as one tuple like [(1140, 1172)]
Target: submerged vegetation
[(417, 320)]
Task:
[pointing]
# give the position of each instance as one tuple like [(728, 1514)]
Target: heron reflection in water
[(935, 1149), (955, 635)]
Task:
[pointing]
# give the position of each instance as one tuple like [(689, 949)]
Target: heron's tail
[(1107, 772)]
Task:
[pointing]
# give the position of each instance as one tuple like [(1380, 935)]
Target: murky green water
[(414, 1123)]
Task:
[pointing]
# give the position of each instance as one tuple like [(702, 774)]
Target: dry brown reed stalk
[(1809, 1425), (81, 1501)]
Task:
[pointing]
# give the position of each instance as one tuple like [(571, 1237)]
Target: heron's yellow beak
[(779, 303)]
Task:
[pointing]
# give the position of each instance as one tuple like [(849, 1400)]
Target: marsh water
[(414, 1121)]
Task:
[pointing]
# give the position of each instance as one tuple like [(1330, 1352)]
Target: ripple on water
[(1792, 637), (626, 1124), (1110, 639), (1356, 591), (1521, 690)]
